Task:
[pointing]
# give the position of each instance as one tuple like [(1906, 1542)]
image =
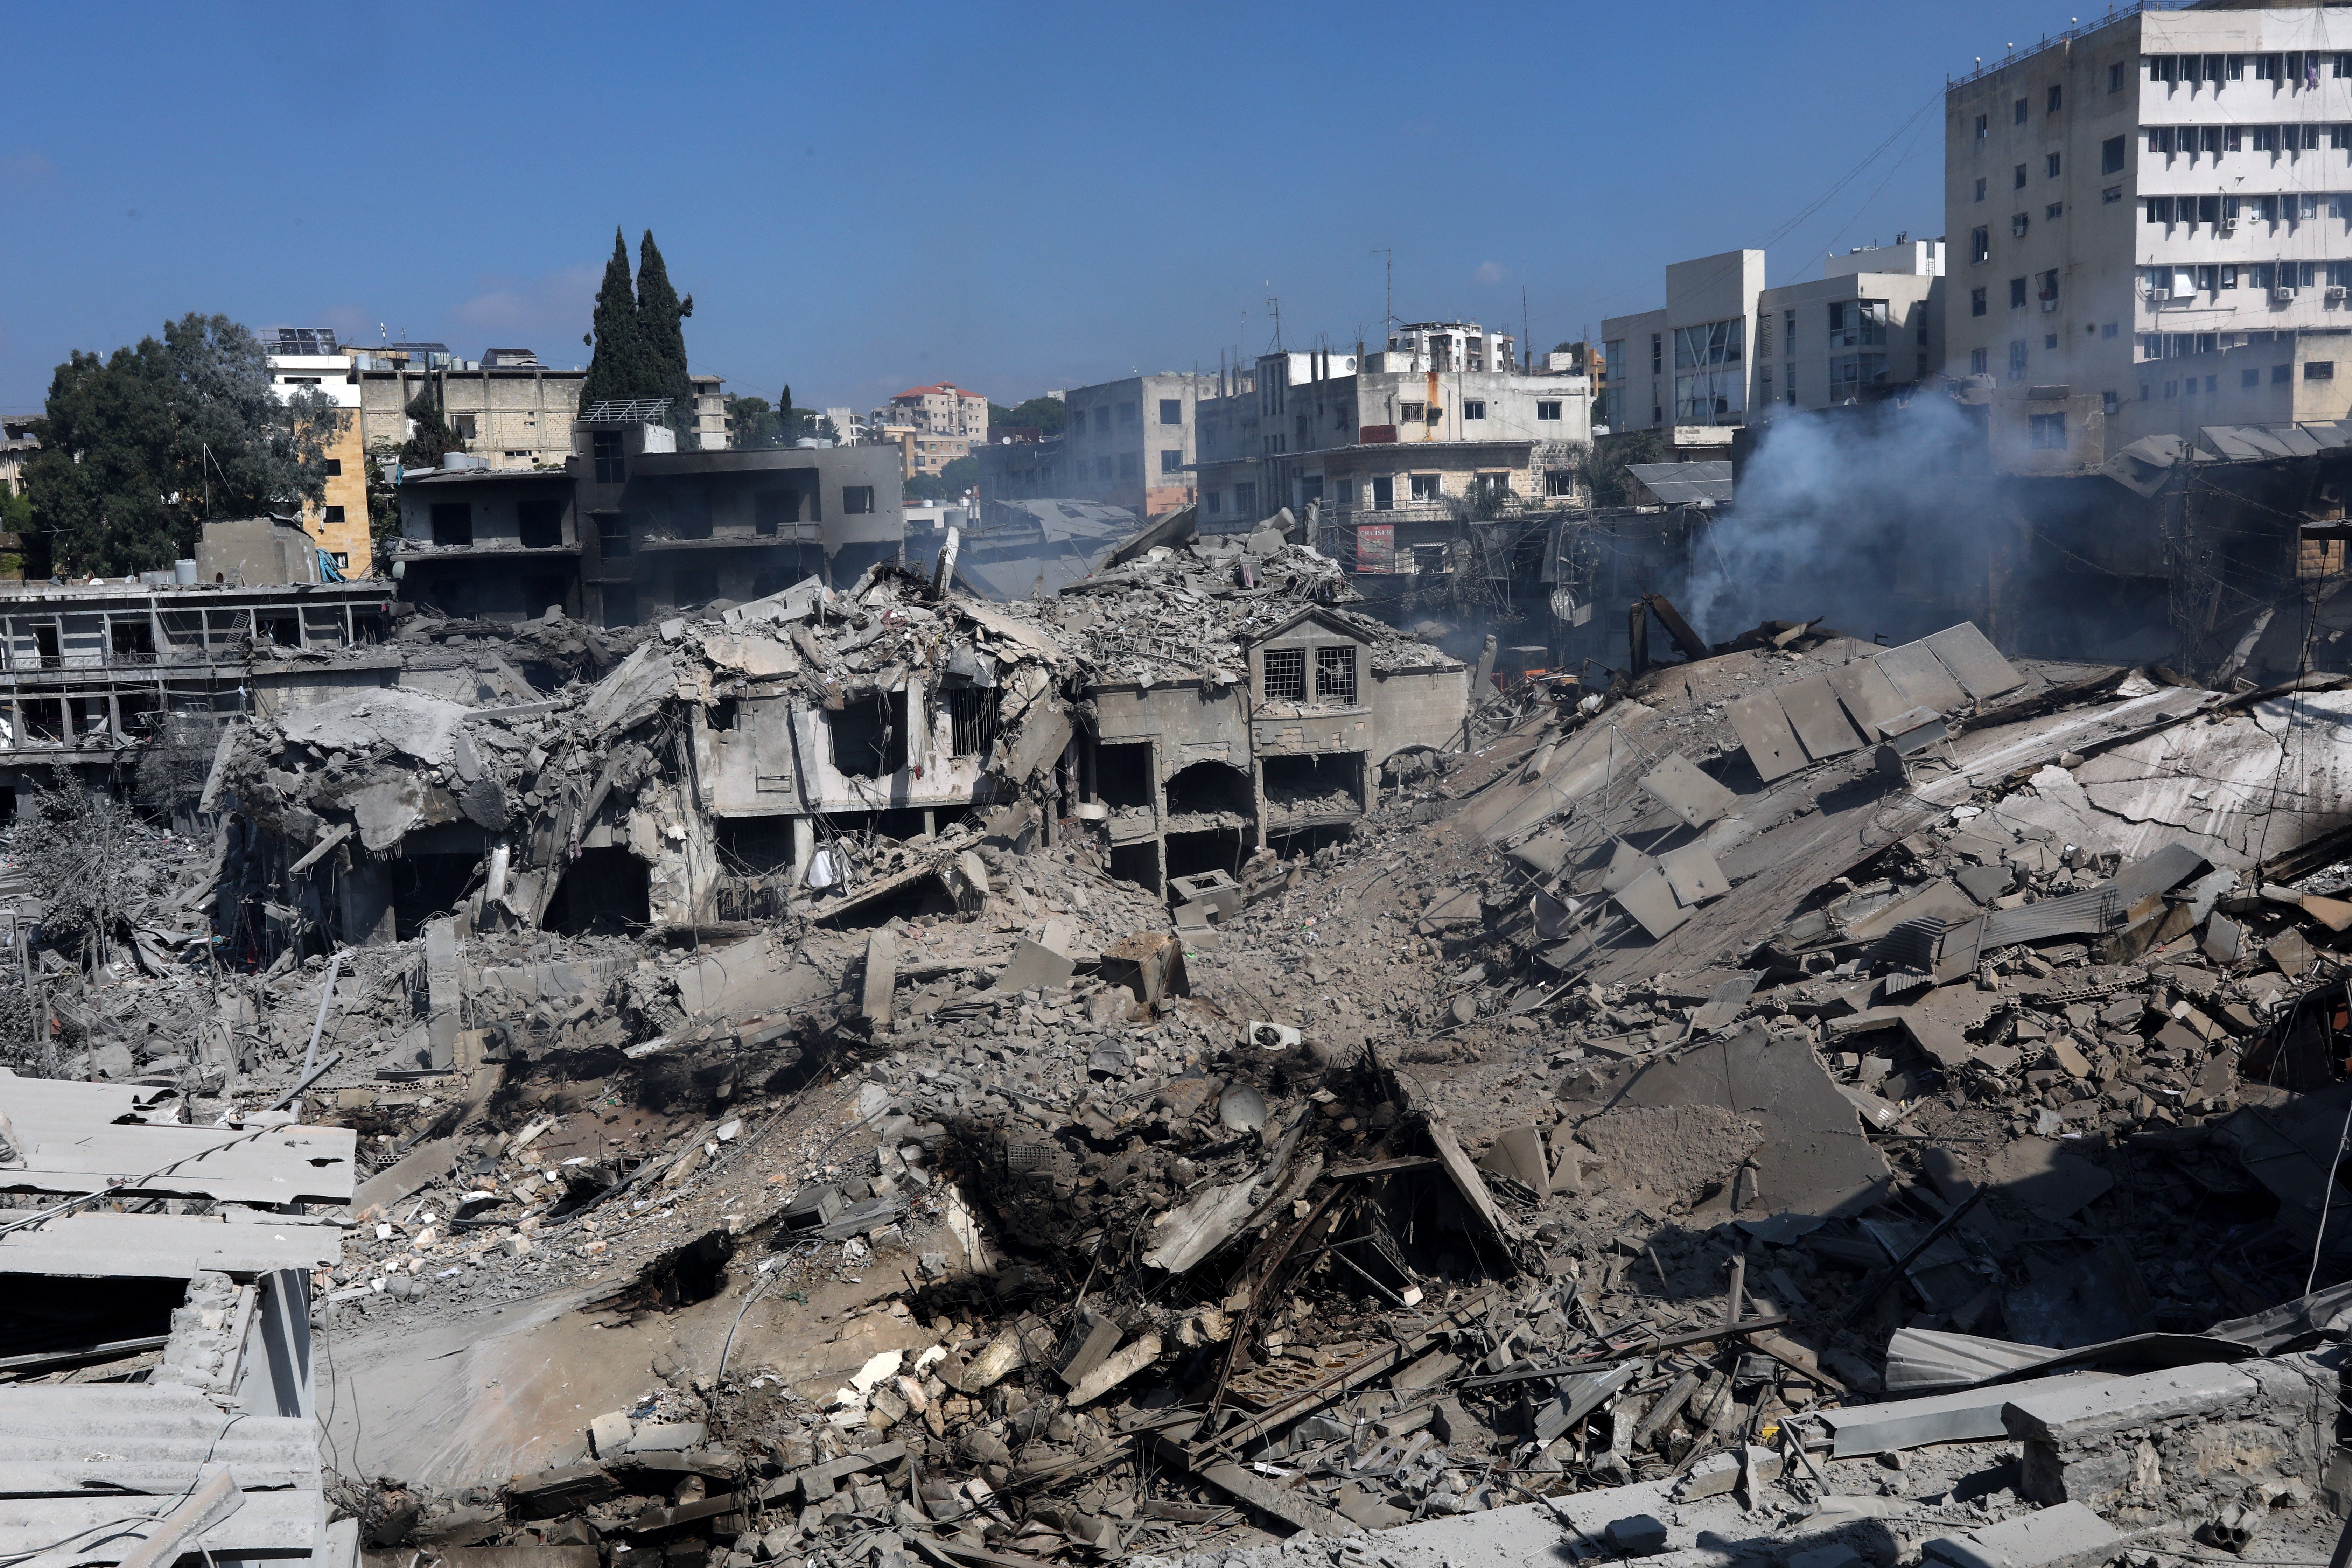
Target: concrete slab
[(1971, 1416), (2069, 1413), (2066, 1530)]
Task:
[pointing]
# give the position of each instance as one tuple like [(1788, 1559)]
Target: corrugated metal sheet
[(1931, 1358), (1685, 484)]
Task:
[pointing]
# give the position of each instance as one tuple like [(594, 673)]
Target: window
[(1547, 411), (2281, 374), (1983, 128), (1858, 323), (1286, 675), (2159, 209), (2018, 114), (2050, 432), (612, 535), (1127, 412), (856, 500), (1657, 354), (1851, 375), (1334, 675), (1413, 413), (2057, 97), (2017, 359), (1245, 501), (2107, 331), (2319, 370), (1172, 411), (1424, 488), (2047, 290), (2265, 138), (1383, 492), (2232, 138), (1980, 245), (2016, 180), (2109, 403), (1131, 464), (342, 560), (2017, 293), (462, 426), (1977, 361), (1976, 301), (453, 522), (2053, 209), (2017, 225), (2049, 166), (2112, 194), (539, 524), (334, 468), (1172, 462), (1472, 408), (972, 718), (604, 447), (1981, 187), (2249, 378), (1078, 421), (2116, 76)]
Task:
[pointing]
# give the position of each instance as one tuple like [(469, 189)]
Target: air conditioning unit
[(2158, 296), (2228, 226), (2336, 293), (2282, 296)]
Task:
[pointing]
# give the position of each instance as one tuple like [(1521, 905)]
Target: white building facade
[(2156, 211)]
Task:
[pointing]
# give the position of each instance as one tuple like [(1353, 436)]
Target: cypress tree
[(787, 420), (662, 336), (617, 367)]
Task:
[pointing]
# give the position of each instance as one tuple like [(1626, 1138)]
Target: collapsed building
[(1175, 1069)]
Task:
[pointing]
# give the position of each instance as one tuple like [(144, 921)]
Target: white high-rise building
[(2150, 221)]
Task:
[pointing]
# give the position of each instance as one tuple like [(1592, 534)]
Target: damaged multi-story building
[(633, 529), (1192, 707)]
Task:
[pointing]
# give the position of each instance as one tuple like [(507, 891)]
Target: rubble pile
[(1810, 1103)]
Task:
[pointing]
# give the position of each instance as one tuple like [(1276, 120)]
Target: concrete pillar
[(804, 848)]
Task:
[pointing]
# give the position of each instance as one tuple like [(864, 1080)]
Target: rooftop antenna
[(1390, 318), (1273, 309)]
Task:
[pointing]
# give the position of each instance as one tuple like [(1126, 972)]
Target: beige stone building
[(512, 415)]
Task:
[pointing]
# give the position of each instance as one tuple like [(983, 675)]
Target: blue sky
[(1011, 197)]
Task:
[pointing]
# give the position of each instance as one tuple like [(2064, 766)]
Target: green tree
[(1604, 470), (1047, 414), (752, 424), (661, 334), (383, 515), (15, 509), (140, 448), (616, 365), (954, 477), (433, 439)]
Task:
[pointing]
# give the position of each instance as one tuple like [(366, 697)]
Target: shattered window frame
[(1335, 674), (1283, 675)]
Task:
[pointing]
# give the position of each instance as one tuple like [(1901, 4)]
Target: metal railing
[(2052, 40)]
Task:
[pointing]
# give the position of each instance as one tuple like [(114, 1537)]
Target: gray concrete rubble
[(1168, 1070)]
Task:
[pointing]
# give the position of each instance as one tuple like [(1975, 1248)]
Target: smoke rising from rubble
[(1839, 517)]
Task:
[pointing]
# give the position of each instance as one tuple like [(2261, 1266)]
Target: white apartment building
[(2155, 212), (1129, 443), (1438, 421), (1726, 350)]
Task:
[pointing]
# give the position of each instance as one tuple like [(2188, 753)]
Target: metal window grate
[(1286, 675), (971, 714), (1335, 674)]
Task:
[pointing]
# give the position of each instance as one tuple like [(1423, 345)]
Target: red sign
[(1375, 435), (1376, 547)]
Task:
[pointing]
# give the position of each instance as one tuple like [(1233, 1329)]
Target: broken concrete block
[(1833, 1556), (1637, 1534), (551, 1494), (881, 978), (1116, 1369), (610, 1433), (2225, 940), (1970, 1416), (2070, 1412), (2070, 1060), (1091, 1339), (2066, 1530), (1518, 1152), (1720, 1473), (2290, 952), (668, 1437), (1044, 963)]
